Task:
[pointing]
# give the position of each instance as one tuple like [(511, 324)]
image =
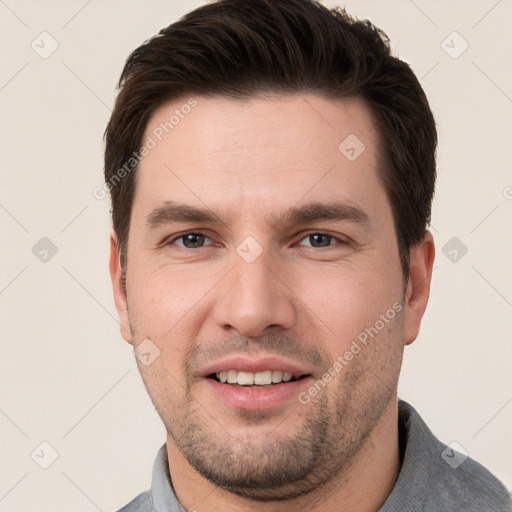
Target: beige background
[(69, 379)]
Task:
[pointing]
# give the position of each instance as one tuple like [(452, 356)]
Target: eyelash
[(183, 235)]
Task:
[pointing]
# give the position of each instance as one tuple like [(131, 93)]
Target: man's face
[(256, 289)]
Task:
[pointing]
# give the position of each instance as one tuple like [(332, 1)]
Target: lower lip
[(252, 399)]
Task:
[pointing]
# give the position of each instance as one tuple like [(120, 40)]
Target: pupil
[(317, 237), (193, 240)]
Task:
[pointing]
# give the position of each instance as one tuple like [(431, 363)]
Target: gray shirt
[(433, 478)]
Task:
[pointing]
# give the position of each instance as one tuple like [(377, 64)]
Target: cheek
[(342, 303), (169, 305), (161, 297)]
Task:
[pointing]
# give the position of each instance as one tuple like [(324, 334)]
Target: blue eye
[(196, 240), (319, 240), (191, 240)]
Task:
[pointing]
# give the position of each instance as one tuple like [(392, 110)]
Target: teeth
[(245, 378), (277, 376), (263, 378)]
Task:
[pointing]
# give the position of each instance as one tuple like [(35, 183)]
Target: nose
[(255, 297)]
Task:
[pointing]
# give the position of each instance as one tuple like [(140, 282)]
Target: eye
[(319, 240), (196, 240), (191, 240)]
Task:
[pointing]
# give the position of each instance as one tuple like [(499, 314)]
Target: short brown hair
[(246, 48)]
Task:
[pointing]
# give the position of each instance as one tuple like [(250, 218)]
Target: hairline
[(255, 93)]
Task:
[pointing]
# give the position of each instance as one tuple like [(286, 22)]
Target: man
[(272, 168)]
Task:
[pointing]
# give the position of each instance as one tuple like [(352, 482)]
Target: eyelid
[(173, 238), (343, 240)]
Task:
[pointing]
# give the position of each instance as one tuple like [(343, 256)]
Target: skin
[(302, 300)]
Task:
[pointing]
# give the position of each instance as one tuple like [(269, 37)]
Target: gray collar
[(427, 480), (162, 494)]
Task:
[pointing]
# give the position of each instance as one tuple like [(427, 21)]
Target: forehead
[(259, 152)]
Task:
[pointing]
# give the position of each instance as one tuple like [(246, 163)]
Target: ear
[(117, 286), (418, 287)]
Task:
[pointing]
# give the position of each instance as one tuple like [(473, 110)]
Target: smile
[(261, 378)]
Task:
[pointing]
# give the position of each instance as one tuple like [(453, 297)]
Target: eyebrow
[(174, 212)]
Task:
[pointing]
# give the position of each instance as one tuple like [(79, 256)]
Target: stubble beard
[(276, 466), (279, 466)]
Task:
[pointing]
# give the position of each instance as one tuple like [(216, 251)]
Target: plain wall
[(67, 376)]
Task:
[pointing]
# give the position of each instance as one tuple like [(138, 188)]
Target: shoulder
[(442, 477), (142, 503), (469, 485)]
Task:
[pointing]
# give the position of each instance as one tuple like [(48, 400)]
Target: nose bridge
[(252, 297)]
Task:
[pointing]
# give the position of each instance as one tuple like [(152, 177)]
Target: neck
[(363, 485)]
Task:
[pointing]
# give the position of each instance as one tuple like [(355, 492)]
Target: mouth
[(264, 383), (260, 379)]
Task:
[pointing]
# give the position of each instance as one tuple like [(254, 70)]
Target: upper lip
[(245, 364)]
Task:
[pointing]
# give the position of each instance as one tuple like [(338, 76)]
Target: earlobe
[(120, 299), (418, 287)]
